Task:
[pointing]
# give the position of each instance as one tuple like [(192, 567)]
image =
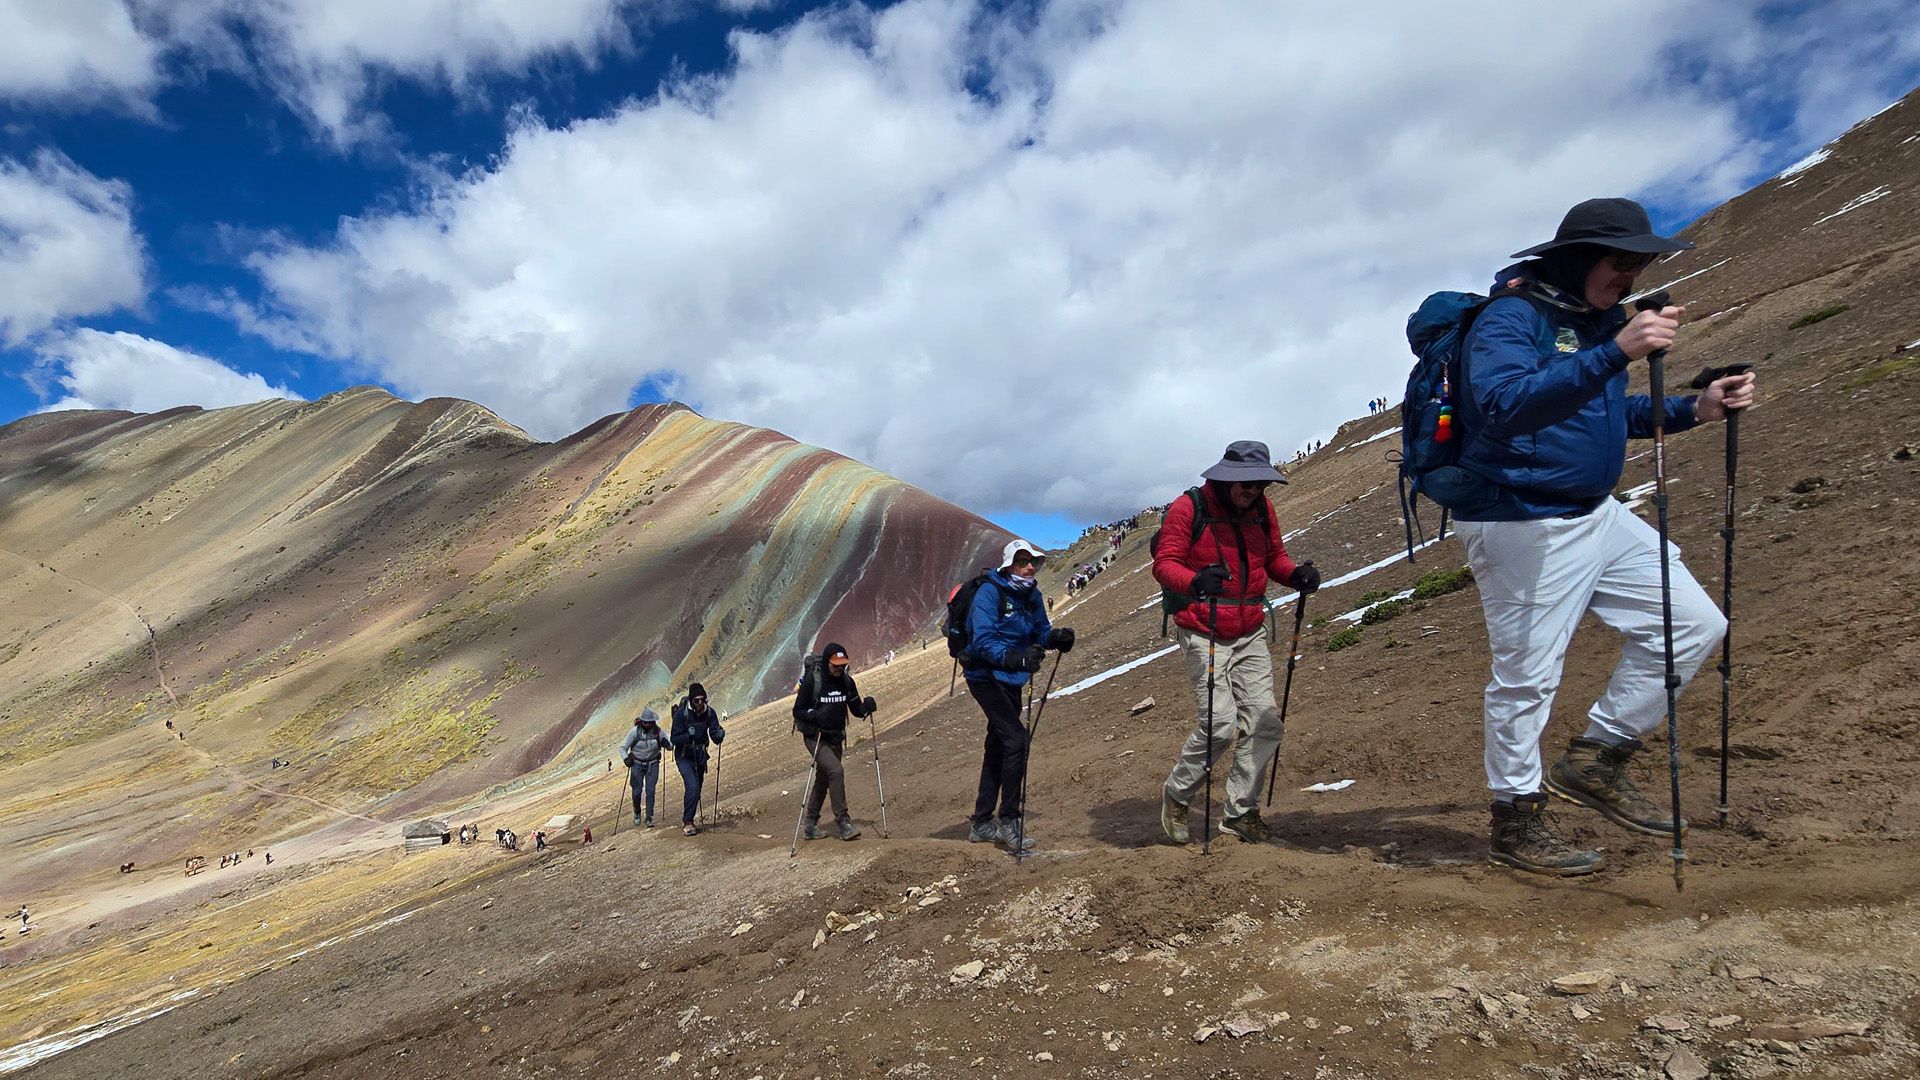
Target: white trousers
[(1536, 579)]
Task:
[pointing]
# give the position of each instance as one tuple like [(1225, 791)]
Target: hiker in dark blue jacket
[(1547, 417), (1008, 633), (695, 724)]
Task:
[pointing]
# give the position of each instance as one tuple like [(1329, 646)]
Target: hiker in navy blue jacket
[(1008, 633), (695, 724), (1546, 421)]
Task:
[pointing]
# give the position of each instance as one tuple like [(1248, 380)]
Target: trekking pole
[(1033, 728), (1286, 691), (879, 784), (619, 806), (1657, 387), (1701, 382), (713, 809), (806, 798), (1206, 813)]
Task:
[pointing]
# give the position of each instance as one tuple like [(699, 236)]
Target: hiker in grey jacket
[(641, 752)]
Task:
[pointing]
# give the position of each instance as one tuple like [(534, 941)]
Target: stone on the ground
[(1205, 1032), (1664, 1023), (1580, 1013), (1801, 1028), (969, 971), (1743, 971), (1726, 1021), (1241, 1026), (1684, 1064), (1487, 1006), (819, 938), (1583, 982), (560, 822), (1043, 1056), (741, 929), (1141, 706), (798, 997)]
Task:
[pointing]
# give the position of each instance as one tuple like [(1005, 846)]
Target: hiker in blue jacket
[(695, 724), (1008, 633), (1546, 421), (641, 753)]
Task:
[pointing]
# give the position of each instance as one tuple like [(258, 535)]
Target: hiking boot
[(689, 828), (1248, 827), (812, 831), (1013, 836), (649, 823), (848, 830), (1523, 838), (1594, 774), (1173, 818), (984, 832), (637, 819)]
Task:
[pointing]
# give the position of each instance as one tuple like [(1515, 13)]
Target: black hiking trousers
[(1004, 763)]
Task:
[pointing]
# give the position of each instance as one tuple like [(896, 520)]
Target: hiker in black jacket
[(821, 702), (695, 724)]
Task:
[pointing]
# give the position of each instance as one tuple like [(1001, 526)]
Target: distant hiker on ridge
[(1546, 419), (1008, 633), (1220, 542), (641, 752), (694, 725), (821, 701)]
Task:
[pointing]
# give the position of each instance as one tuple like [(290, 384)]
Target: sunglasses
[(1256, 485), (1629, 262)]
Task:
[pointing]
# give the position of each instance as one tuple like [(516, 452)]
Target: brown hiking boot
[(1173, 818), (1248, 827), (1523, 838), (1594, 775)]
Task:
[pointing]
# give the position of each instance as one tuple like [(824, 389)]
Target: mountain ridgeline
[(385, 604)]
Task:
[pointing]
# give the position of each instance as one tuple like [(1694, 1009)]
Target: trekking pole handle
[(1654, 302), (1709, 376)]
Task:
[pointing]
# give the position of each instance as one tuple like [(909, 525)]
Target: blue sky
[(1006, 252)]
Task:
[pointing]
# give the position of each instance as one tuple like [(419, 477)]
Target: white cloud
[(1047, 263), (74, 50), (67, 245), (99, 370)]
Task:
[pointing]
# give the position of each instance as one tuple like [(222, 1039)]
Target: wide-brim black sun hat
[(1620, 224), (1246, 461)]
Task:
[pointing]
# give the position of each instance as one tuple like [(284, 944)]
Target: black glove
[(1305, 578), (1210, 581), (1031, 660), (868, 705), (1060, 638)]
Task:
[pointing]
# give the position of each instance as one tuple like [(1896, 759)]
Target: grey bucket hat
[(1246, 461), (1620, 224)]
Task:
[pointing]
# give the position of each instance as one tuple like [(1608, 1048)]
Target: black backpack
[(959, 606), (1171, 602)]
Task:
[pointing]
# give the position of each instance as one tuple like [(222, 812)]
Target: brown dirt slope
[(1373, 941)]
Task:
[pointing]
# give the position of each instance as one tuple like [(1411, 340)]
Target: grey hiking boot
[(848, 830), (1523, 838), (637, 819), (1173, 818), (1248, 827), (812, 831), (984, 832), (1594, 774), (1013, 836)]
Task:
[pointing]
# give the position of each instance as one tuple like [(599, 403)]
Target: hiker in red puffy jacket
[(1236, 553)]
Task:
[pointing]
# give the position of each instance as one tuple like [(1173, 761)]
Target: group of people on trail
[(1544, 421), (695, 728), (1543, 418), (1378, 405)]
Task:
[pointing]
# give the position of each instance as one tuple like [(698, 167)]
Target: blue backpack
[(1430, 430)]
